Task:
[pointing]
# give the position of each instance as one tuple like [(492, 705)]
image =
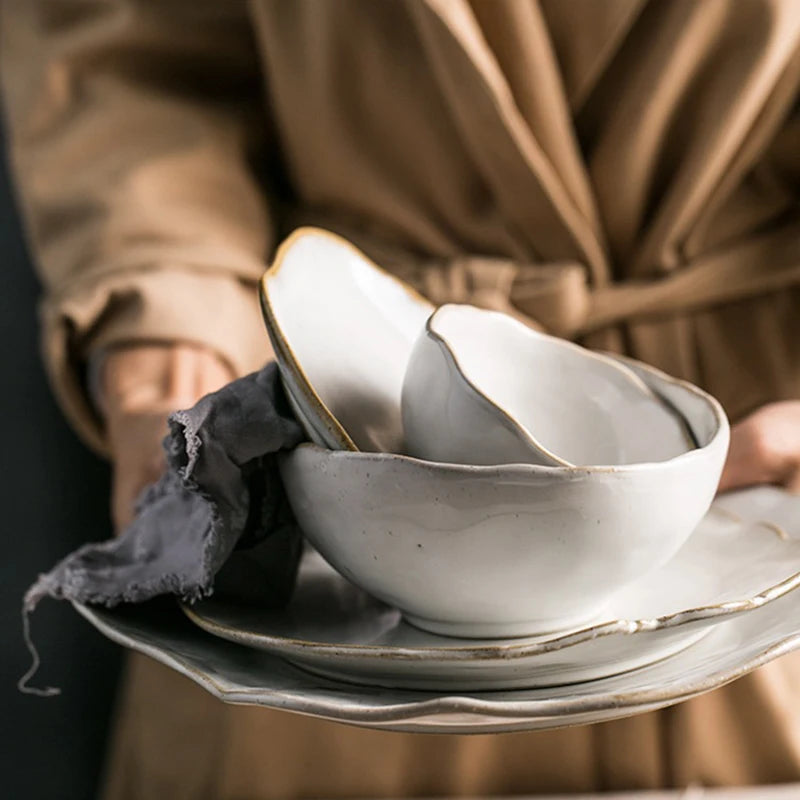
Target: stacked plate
[(727, 568), (548, 541), (730, 604)]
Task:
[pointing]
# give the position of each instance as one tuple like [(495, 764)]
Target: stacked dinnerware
[(495, 507)]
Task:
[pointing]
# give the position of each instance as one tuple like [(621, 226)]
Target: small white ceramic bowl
[(483, 388), (342, 330), (510, 550)]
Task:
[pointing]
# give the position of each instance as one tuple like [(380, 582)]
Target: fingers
[(193, 372), (765, 448), (141, 386), (750, 457), (160, 376), (138, 457)]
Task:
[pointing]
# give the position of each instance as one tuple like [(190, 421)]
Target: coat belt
[(559, 297)]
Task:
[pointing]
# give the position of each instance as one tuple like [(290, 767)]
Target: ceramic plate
[(732, 563), (336, 630), (246, 676)]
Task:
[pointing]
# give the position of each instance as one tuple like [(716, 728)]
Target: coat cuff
[(159, 305)]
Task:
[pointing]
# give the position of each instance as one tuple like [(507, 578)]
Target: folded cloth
[(218, 520)]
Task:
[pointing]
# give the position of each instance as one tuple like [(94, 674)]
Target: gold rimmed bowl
[(506, 550), (483, 388), (342, 330)]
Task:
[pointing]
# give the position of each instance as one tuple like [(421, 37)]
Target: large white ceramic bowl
[(497, 551), (342, 330), (483, 388)]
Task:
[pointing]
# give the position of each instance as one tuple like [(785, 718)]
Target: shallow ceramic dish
[(507, 550), (342, 330), (728, 566), (482, 388), (246, 676)]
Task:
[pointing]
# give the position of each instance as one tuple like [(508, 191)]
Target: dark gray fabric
[(217, 521)]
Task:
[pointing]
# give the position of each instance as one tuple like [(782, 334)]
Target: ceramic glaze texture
[(342, 330), (333, 629), (482, 388), (238, 674), (729, 566), (505, 550)]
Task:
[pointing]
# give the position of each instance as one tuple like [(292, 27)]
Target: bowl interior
[(342, 329), (577, 407), (702, 414)]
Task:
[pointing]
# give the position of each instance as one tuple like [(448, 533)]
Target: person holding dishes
[(625, 174)]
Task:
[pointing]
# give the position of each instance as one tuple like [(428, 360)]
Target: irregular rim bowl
[(287, 358), (721, 428), (591, 516), (545, 643), (610, 360)]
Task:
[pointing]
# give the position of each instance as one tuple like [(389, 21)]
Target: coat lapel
[(505, 149)]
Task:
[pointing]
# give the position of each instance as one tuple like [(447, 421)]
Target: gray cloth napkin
[(217, 521)]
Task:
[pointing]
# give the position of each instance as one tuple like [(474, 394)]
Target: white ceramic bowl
[(483, 388), (510, 550), (342, 330)]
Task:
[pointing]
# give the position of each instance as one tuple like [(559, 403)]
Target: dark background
[(53, 497)]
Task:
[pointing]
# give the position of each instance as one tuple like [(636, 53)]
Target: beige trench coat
[(622, 172)]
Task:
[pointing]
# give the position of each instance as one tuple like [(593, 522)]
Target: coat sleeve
[(133, 127)]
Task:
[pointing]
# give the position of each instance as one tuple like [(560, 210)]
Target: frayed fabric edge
[(23, 683), (46, 587)]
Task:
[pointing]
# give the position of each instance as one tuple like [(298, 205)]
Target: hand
[(765, 448), (140, 386)]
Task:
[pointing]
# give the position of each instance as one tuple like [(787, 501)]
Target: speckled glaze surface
[(728, 566), (342, 330), (482, 388), (247, 676), (511, 550)]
